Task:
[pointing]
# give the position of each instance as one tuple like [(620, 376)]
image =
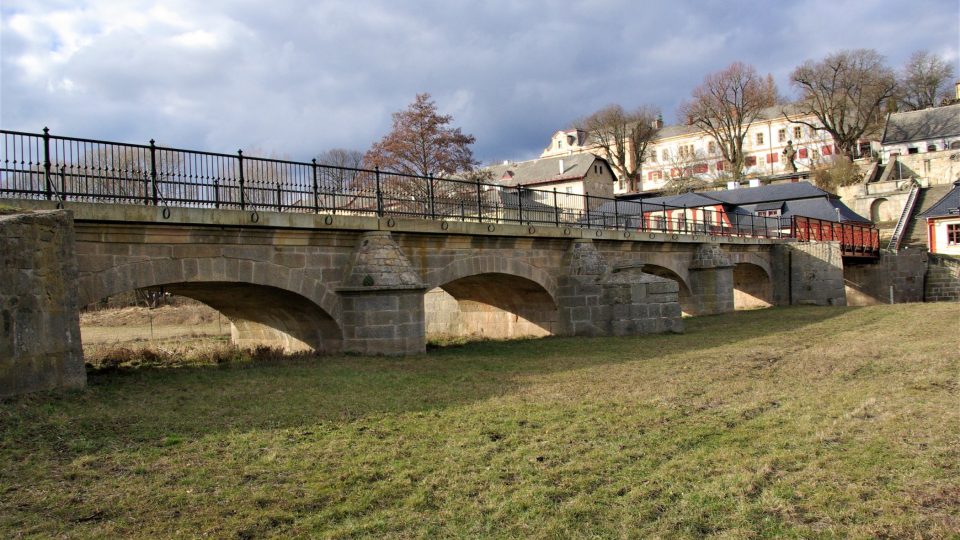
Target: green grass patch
[(800, 423)]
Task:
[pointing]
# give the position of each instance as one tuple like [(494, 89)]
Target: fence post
[(520, 203), (665, 218), (46, 163), (586, 204), (643, 218), (243, 198), (430, 192), (216, 193), (376, 171), (153, 170), (279, 197), (316, 188), (616, 216), (556, 209), (479, 204)]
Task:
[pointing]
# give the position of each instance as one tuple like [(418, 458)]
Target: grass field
[(797, 422)]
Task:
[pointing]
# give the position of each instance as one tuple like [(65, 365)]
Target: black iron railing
[(44, 166)]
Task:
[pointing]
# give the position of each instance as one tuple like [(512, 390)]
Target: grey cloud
[(302, 77)]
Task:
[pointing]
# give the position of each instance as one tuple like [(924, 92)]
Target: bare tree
[(726, 105), (925, 81), (421, 143), (844, 92), (687, 170), (343, 168), (622, 137)]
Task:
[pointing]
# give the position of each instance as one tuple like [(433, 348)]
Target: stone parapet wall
[(39, 319), (942, 279)]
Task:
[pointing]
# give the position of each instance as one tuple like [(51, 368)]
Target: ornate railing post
[(520, 204), (46, 163), (430, 192), (153, 170), (316, 187), (243, 197), (479, 204), (556, 208), (376, 171), (616, 216)]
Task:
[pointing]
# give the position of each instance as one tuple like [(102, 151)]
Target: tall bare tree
[(344, 165), (925, 81), (844, 92), (726, 105), (622, 137)]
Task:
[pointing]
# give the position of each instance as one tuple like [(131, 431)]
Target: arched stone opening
[(752, 288), (882, 210), (489, 306), (684, 291), (263, 315)]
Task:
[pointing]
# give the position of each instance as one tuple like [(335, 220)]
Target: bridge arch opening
[(489, 306), (684, 291), (261, 315), (752, 288)]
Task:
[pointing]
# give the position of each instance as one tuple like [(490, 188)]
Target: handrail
[(107, 171)]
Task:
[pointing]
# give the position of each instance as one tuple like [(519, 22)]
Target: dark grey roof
[(776, 205), (820, 208), (922, 125), (773, 192), (794, 199), (949, 205), (544, 170)]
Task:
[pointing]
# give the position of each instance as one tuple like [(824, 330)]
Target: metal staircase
[(905, 215)]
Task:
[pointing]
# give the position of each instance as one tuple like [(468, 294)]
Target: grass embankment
[(801, 422)]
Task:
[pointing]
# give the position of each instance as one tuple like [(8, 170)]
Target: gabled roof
[(794, 199), (922, 125), (949, 205), (545, 170), (773, 192)]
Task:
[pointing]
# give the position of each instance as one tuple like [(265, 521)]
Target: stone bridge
[(385, 285)]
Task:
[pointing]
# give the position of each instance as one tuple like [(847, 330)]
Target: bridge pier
[(711, 281), (381, 300), (595, 300)]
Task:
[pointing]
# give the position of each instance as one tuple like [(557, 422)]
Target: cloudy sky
[(293, 78)]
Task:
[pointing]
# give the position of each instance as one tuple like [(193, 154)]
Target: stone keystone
[(379, 264)]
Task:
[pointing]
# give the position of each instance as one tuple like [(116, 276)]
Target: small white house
[(918, 132)]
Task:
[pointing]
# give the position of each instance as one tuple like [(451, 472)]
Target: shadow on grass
[(147, 405)]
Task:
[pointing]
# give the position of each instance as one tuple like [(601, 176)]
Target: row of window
[(748, 161), (687, 150)]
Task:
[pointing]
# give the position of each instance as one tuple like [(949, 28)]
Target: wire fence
[(44, 166)]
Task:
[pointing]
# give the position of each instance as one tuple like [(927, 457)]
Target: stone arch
[(491, 264), (265, 302), (754, 259), (881, 210), (683, 294), (752, 286), (490, 305)]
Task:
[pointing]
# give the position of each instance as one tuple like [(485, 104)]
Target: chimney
[(658, 123), (561, 168)]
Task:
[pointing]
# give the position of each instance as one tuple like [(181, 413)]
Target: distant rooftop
[(922, 125)]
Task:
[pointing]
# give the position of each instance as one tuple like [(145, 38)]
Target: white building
[(918, 132)]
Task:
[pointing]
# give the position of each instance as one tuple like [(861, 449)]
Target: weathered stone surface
[(379, 263), (39, 316), (809, 273), (942, 279), (871, 282)]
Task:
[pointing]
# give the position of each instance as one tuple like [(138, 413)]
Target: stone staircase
[(915, 233)]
